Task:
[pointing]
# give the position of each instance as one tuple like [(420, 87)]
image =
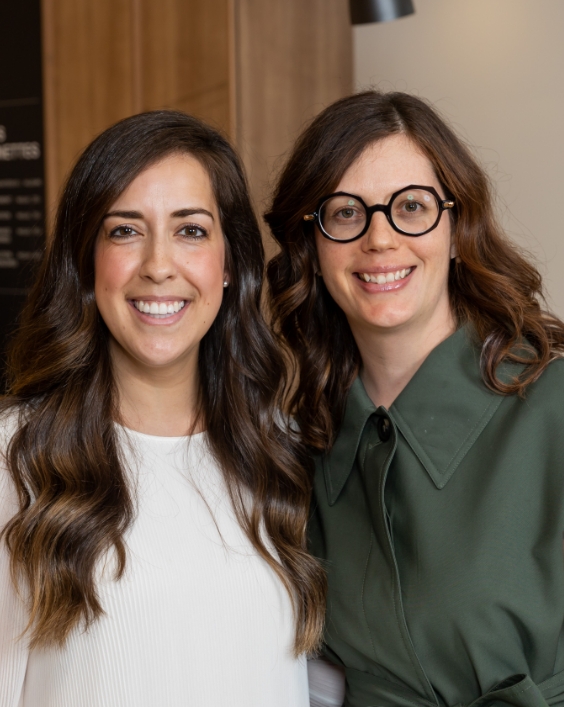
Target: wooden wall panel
[(292, 59), (88, 76), (257, 69), (185, 57)]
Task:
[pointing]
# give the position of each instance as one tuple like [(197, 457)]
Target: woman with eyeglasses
[(431, 389), (153, 503)]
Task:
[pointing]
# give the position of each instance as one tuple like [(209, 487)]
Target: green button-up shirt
[(440, 522)]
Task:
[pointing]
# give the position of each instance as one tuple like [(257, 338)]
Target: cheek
[(112, 270), (334, 268), (440, 252), (205, 270), (435, 257), (332, 259)]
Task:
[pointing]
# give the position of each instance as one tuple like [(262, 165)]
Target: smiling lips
[(382, 278), (159, 310)]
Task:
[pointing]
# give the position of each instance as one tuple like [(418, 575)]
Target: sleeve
[(13, 646), (326, 683)]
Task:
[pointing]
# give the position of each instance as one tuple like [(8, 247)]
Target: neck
[(391, 358), (154, 400)]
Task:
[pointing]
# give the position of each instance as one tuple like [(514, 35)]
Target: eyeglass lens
[(413, 211)]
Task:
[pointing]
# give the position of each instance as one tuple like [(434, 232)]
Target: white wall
[(495, 69)]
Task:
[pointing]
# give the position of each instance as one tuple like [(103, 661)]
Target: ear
[(453, 250), (225, 279)]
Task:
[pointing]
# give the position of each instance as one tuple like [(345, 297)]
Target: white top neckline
[(160, 438)]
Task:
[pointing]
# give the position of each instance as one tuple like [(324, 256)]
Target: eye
[(347, 213), (411, 206), (123, 232), (193, 231)]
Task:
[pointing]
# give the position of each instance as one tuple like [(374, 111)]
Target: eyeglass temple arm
[(310, 217)]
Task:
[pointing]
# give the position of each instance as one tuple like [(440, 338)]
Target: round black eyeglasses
[(412, 211)]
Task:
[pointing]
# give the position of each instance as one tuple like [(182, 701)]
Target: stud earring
[(225, 283)]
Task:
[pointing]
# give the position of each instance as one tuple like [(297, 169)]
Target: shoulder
[(535, 420), (10, 419), (548, 389), (13, 611)]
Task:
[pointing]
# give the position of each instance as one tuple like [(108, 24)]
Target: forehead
[(175, 178), (386, 166)]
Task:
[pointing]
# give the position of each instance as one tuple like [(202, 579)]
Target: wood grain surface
[(293, 58), (256, 69)]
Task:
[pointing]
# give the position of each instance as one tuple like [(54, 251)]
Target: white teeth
[(159, 310), (384, 278)]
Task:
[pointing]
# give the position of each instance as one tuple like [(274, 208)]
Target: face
[(160, 264), (407, 276)]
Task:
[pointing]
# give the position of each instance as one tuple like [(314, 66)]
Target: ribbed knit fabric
[(199, 619)]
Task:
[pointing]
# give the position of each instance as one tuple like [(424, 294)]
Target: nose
[(158, 263), (380, 236)]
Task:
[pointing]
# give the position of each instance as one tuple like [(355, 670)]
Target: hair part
[(64, 458), (492, 287)]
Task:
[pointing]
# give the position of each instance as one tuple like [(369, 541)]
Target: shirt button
[(384, 428)]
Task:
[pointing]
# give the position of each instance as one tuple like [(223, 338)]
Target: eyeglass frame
[(443, 205)]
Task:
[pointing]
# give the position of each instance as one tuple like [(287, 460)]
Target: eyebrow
[(182, 213)]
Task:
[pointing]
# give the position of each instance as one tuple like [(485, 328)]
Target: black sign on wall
[(22, 196)]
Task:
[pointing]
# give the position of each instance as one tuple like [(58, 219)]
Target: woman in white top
[(152, 504)]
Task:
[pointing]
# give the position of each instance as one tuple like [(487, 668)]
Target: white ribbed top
[(199, 619)]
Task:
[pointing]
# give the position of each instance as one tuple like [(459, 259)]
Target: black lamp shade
[(364, 11)]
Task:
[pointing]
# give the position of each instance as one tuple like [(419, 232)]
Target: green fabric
[(443, 544)]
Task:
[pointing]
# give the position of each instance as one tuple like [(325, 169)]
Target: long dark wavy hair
[(64, 458), (493, 286)]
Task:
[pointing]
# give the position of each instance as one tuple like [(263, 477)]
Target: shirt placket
[(376, 452)]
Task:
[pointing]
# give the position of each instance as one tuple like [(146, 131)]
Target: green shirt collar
[(440, 413)]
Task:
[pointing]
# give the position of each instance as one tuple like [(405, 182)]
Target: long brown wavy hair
[(64, 457), (493, 287)]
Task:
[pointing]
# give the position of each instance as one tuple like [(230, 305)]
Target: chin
[(387, 319), (161, 359)]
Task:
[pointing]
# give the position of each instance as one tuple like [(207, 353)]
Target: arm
[(326, 683)]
